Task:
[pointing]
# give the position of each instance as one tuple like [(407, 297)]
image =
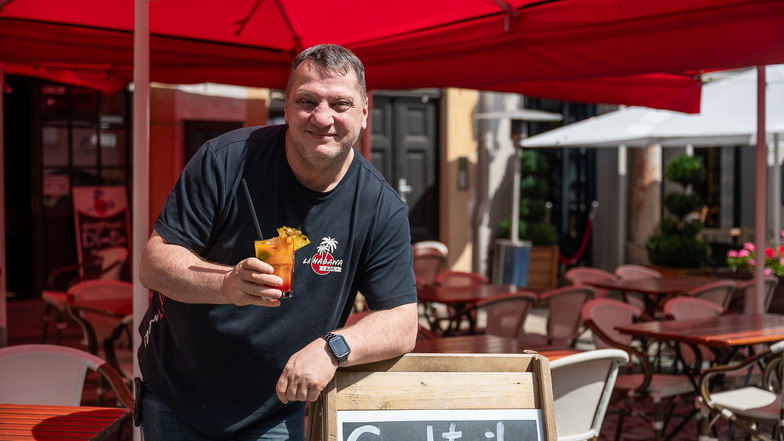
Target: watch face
[(339, 347)]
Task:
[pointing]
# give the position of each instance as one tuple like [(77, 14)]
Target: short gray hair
[(336, 59)]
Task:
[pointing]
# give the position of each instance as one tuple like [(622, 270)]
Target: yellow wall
[(459, 140)]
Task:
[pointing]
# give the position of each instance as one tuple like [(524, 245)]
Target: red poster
[(102, 223)]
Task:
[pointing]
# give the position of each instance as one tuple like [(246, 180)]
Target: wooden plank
[(440, 390)]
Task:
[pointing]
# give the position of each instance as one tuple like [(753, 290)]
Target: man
[(223, 357)]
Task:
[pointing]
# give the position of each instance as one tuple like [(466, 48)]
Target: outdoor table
[(725, 334), (457, 298), (722, 332), (656, 289), (35, 422)]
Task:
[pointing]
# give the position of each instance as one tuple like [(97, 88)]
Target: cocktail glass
[(279, 252)]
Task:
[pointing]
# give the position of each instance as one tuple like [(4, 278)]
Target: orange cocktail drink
[(279, 252)]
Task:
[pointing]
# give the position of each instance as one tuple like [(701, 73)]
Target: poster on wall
[(102, 225)]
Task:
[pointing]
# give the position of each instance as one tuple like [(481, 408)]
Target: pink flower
[(744, 253), (732, 253), (767, 272), (748, 246)]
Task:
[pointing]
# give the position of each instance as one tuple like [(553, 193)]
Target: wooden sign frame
[(438, 386)]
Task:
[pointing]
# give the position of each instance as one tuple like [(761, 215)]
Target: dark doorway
[(404, 138), (18, 197)]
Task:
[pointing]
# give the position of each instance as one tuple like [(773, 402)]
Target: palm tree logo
[(322, 260)]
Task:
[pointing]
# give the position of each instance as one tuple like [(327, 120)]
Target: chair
[(683, 308), (97, 325), (431, 245), (564, 321), (719, 292), (635, 272), (602, 316), (118, 348), (583, 275), (53, 375), (109, 266), (748, 407), (582, 388), (503, 315), (428, 262), (746, 288)]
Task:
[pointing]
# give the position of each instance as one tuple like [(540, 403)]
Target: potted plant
[(745, 260), (742, 263), (675, 243), (534, 223)]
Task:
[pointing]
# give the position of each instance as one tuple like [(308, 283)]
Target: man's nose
[(322, 115)]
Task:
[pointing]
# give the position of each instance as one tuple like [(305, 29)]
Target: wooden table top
[(653, 285), (725, 331), (483, 344), (39, 422), (450, 294)]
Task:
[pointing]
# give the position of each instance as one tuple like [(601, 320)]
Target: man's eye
[(306, 104), (342, 106)]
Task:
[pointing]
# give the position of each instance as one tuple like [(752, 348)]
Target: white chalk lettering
[(359, 431)]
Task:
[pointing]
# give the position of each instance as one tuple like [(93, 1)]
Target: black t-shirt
[(217, 365)]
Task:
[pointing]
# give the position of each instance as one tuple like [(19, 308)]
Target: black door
[(404, 142)]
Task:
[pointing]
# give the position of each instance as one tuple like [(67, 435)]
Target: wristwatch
[(338, 346)]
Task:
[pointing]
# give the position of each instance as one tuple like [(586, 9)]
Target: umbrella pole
[(760, 186), (3, 306), (141, 165)]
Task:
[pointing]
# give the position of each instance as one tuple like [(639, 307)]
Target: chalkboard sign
[(413, 425), (432, 397)]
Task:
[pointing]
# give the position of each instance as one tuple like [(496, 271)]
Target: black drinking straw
[(252, 210)]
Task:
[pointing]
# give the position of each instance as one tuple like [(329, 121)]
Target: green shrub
[(677, 251), (676, 243)]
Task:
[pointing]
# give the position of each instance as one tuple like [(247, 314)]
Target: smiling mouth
[(323, 135)]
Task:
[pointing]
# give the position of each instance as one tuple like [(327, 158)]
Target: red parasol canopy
[(609, 51)]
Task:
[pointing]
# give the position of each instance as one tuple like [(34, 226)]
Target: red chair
[(582, 275), (564, 321), (602, 316), (503, 315), (719, 292), (428, 263), (635, 272)]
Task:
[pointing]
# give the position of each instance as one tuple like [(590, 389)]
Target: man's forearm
[(382, 334), (179, 274)]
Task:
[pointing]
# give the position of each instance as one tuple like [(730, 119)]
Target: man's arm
[(378, 336), (181, 275)]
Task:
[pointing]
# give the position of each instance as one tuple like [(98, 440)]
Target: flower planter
[(776, 305)]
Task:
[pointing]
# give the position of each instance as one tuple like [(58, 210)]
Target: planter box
[(776, 305), (669, 271), (543, 267)]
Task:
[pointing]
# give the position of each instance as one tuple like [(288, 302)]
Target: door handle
[(403, 189)]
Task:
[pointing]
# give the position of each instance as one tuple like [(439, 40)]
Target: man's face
[(325, 112)]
